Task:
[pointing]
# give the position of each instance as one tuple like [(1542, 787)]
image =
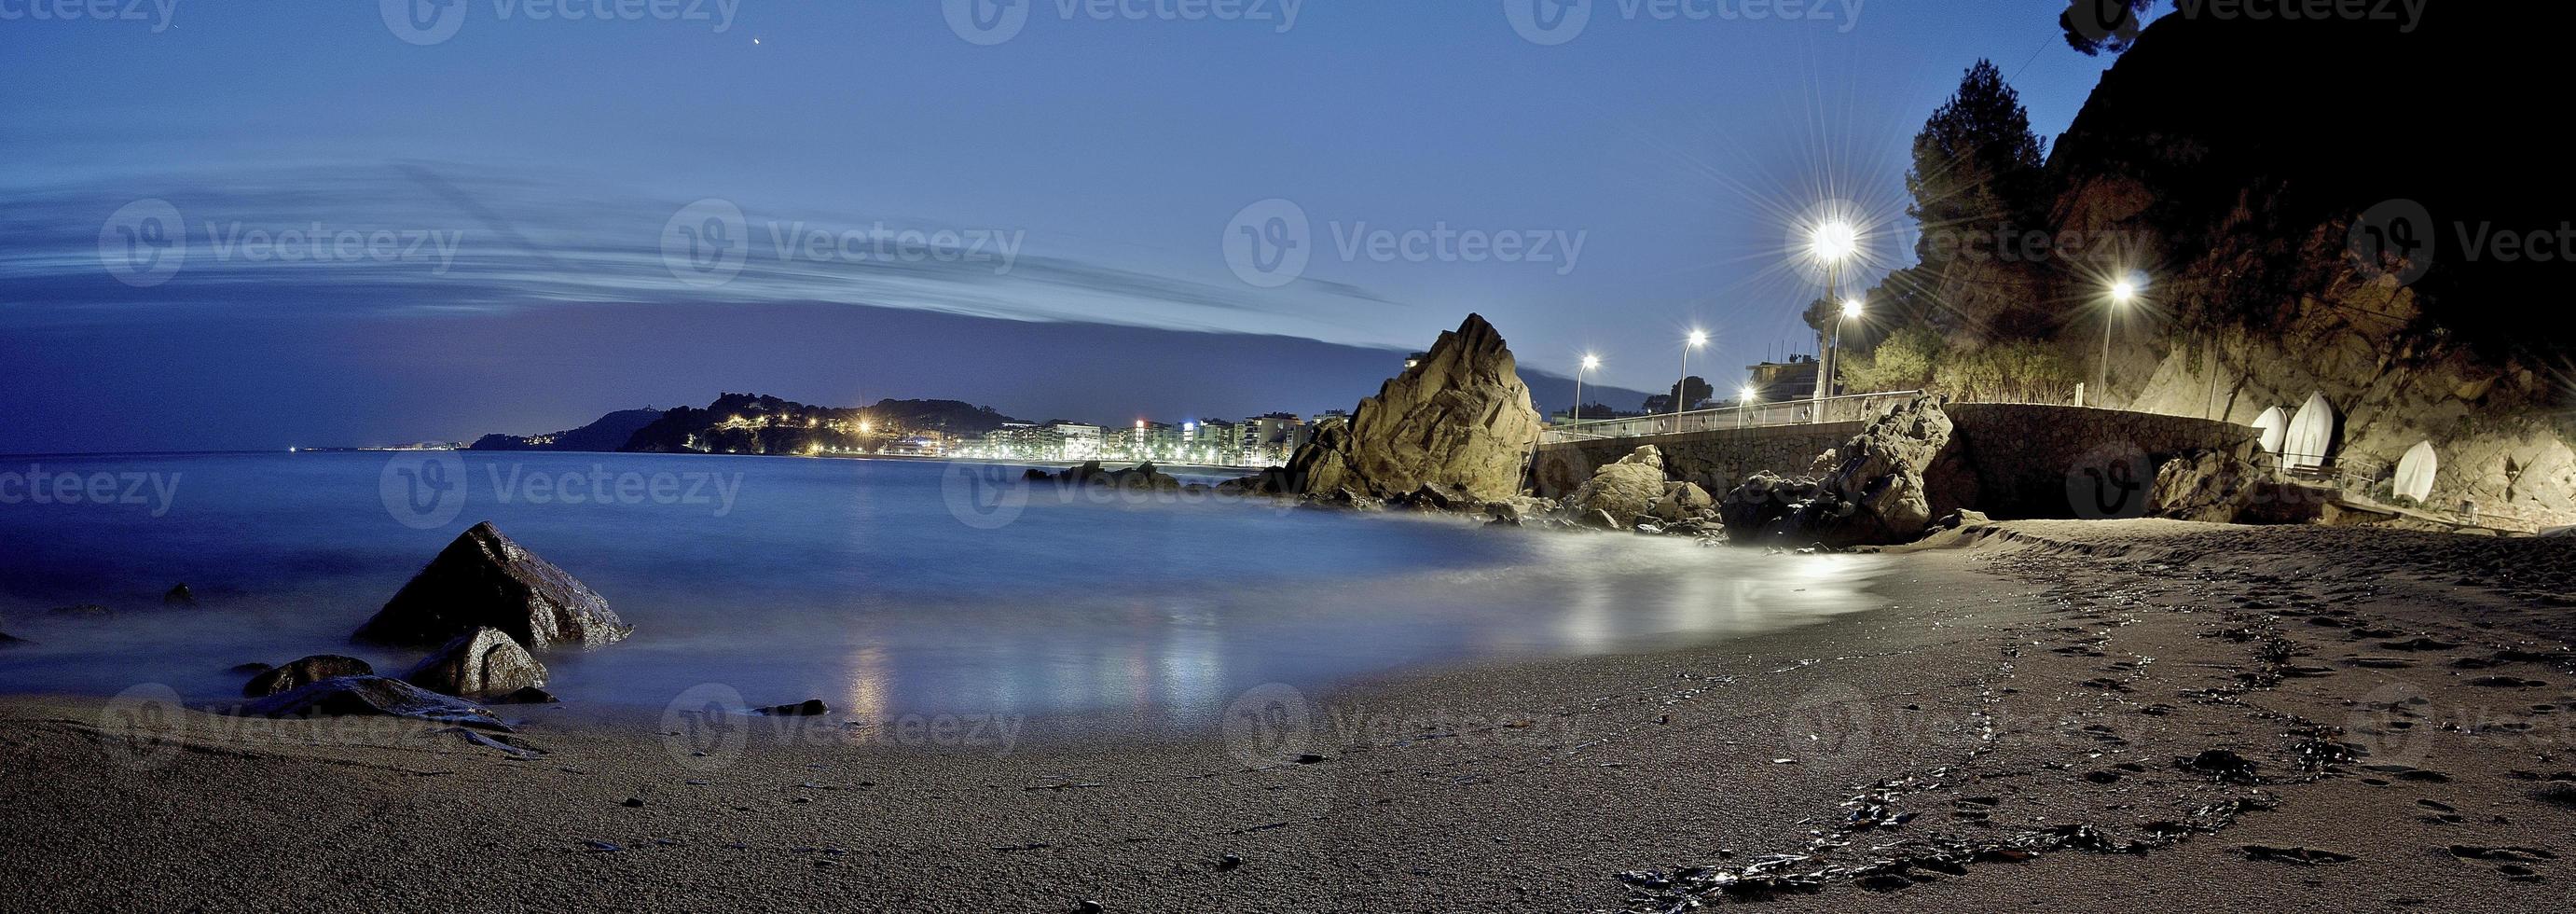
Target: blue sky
[(1096, 164)]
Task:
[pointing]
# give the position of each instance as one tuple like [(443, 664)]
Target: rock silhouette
[(485, 579)]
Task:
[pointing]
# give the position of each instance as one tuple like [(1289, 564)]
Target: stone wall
[(1716, 460), (2008, 460), (2014, 460)]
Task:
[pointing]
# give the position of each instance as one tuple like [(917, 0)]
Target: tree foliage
[(1905, 360), (1977, 165), (2095, 26), (2015, 372)]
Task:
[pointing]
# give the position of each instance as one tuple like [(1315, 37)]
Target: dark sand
[(2032, 679)]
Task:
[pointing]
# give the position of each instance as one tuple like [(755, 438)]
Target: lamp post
[(1833, 243), (2122, 292), (1681, 386), (1590, 362), (1834, 353)]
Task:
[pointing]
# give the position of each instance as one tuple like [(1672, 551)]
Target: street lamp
[(1834, 353), (1681, 387), (1744, 403), (1834, 242), (2123, 291), (1590, 362)]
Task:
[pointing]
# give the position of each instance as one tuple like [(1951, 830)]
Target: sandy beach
[(2114, 716)]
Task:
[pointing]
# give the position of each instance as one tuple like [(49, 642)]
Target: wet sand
[(2026, 720)]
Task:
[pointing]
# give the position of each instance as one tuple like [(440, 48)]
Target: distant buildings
[(1264, 440)]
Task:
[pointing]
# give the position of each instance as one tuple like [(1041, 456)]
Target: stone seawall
[(1716, 460), (2009, 460), (2040, 461)]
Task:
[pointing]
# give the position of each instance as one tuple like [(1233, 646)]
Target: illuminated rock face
[(1459, 419)]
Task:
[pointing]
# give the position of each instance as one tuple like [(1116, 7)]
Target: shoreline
[(2032, 679)]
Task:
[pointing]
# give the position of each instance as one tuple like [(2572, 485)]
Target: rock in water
[(1624, 489), (1876, 496), (484, 579), (303, 672), (811, 707), (358, 695), (179, 596), (1763, 501), (478, 663), (1459, 418)]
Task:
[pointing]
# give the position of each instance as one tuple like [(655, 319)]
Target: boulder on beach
[(485, 579), (1877, 495), (1762, 503), (296, 674), (1459, 417), (1681, 501), (2211, 486), (363, 695), (479, 663), (1626, 488)]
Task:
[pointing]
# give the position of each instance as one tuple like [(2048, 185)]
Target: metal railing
[(1845, 408)]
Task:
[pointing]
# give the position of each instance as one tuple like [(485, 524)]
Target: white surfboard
[(2415, 472), (2273, 425), (2311, 433)]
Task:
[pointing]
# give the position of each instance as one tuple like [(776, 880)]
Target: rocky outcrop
[(1143, 476), (1763, 505), (364, 695), (1621, 491), (1458, 418), (1878, 495), (302, 672), (7, 639), (2211, 486), (484, 579), (1682, 501), (179, 596), (479, 663)]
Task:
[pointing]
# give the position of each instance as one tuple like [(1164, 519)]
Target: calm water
[(883, 587)]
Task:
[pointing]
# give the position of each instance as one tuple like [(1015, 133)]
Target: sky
[(251, 225)]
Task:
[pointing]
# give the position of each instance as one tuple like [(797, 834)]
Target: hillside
[(608, 433), (2267, 180)]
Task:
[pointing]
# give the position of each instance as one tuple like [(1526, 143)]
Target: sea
[(883, 587)]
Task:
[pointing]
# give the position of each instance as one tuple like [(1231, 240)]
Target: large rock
[(1877, 495), (479, 663), (1762, 502), (2211, 486), (361, 695), (302, 672), (484, 579), (1681, 501), (1459, 418), (1623, 489)]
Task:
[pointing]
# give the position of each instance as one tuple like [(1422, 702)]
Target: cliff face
[(2385, 240), (1461, 419)]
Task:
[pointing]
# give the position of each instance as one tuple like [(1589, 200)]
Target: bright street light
[(1681, 388), (1851, 307), (1835, 240), (2123, 291), (1590, 362)]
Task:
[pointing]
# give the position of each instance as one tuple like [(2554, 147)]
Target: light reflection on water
[(853, 581)]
